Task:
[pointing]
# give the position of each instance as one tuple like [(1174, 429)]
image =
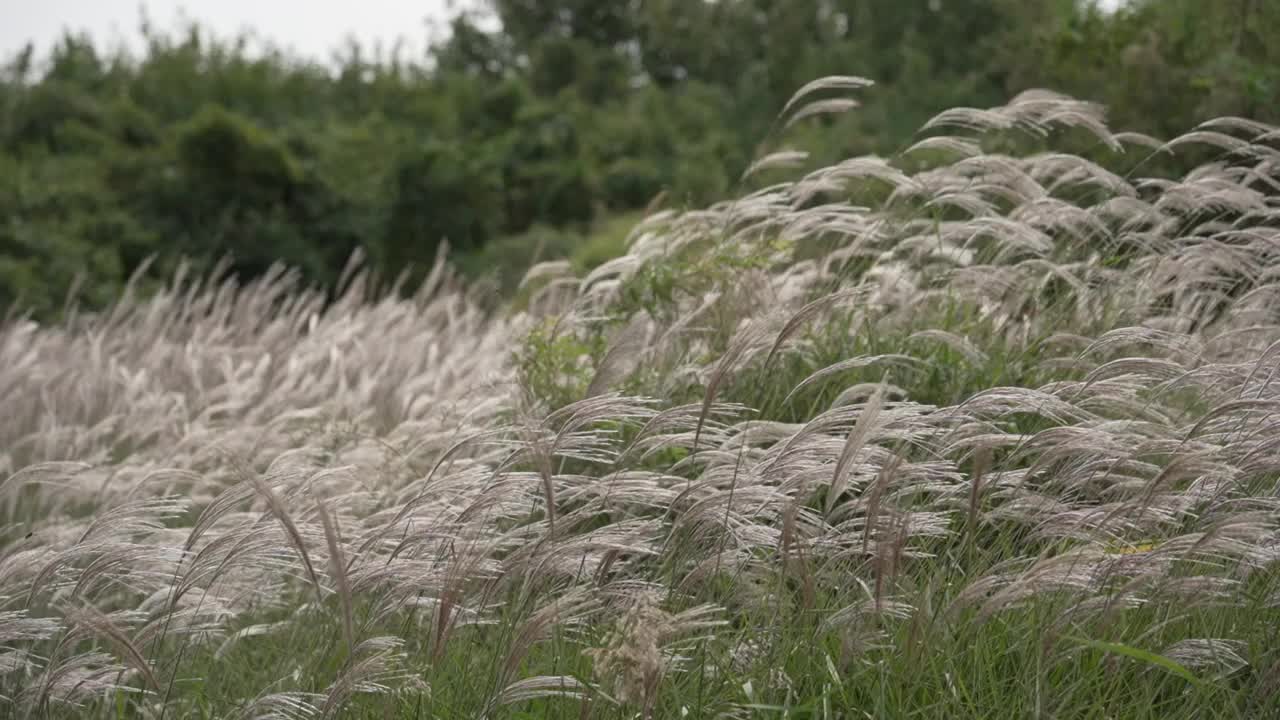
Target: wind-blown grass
[(958, 433)]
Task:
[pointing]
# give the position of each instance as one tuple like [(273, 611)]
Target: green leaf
[(1143, 655)]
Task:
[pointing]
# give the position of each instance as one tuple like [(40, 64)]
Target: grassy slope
[(894, 440)]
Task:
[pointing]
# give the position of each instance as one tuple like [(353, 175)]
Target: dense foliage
[(513, 143)]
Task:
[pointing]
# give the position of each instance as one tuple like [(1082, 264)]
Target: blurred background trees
[(534, 136)]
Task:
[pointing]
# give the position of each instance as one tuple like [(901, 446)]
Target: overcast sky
[(313, 28)]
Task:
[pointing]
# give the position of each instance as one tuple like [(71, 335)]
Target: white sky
[(312, 28)]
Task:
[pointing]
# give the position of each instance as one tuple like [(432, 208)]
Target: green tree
[(441, 193)]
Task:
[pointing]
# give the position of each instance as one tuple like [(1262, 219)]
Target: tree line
[(531, 126)]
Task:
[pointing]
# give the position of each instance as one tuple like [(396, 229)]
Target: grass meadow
[(989, 428)]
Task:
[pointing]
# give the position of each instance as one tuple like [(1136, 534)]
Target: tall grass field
[(986, 429)]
